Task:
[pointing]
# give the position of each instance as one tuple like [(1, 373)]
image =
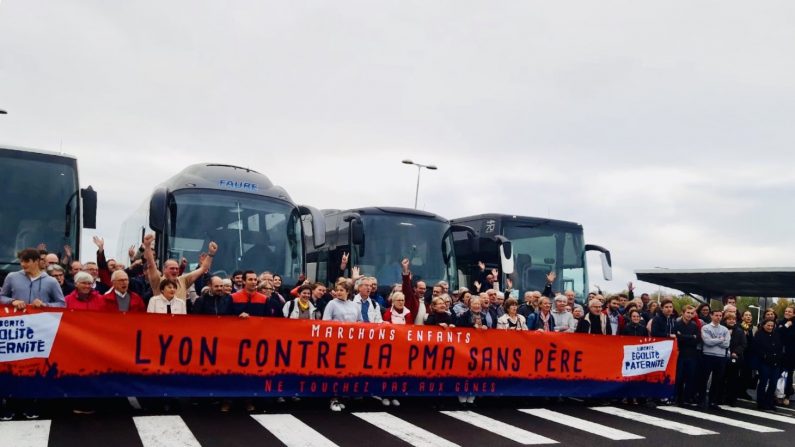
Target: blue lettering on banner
[(235, 184)]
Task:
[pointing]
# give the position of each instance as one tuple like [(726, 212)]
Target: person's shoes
[(296, 399), (7, 415), (250, 408), (226, 406), (714, 407), (83, 411), (385, 402), (462, 399), (335, 405), (395, 403), (280, 400), (470, 400), (785, 402)]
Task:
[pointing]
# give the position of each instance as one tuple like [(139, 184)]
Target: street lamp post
[(419, 169)]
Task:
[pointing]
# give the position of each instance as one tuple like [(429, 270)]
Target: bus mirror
[(506, 258), (89, 207), (158, 207), (318, 224), (607, 261), (357, 232)]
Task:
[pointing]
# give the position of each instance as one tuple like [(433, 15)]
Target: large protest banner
[(84, 354)]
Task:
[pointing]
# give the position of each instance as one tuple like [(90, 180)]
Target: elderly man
[(371, 311), (596, 322), (171, 269), (564, 320), (120, 298)]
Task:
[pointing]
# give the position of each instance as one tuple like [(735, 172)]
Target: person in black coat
[(733, 382), (439, 315), (635, 327), (688, 336), (786, 330), (769, 350), (216, 302)]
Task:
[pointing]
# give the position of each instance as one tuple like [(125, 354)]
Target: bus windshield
[(542, 248), (427, 243), (252, 232), (40, 204)]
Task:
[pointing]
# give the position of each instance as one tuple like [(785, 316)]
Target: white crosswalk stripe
[(25, 433), (500, 428), (761, 414), (720, 419), (292, 431), (581, 424), (655, 421), (164, 431), (406, 431)]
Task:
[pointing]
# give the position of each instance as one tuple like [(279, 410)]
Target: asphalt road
[(417, 422)]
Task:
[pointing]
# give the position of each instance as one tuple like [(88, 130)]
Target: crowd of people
[(721, 354)]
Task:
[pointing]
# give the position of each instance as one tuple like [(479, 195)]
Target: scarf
[(745, 326), (399, 317), (303, 307), (545, 320)]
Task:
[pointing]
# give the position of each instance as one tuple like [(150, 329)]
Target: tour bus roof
[(386, 210), (515, 218), (226, 177), (35, 151), (713, 283)]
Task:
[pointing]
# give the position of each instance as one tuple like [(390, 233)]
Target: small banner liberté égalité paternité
[(55, 353)]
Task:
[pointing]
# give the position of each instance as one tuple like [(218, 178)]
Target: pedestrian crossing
[(558, 425)]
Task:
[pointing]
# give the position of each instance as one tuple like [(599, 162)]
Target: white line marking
[(164, 431), (719, 419), (778, 407), (761, 414), (406, 431), (515, 434), (292, 431), (25, 433), (581, 424), (655, 421)]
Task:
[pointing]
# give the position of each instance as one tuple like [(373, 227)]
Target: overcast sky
[(665, 128)]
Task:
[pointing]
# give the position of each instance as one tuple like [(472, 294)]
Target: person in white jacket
[(371, 311)]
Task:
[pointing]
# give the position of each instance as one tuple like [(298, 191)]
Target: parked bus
[(42, 203), (528, 248), (378, 238), (255, 223)]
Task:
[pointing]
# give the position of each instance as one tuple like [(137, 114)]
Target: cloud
[(662, 128)]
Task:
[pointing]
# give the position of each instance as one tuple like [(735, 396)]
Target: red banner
[(83, 353)]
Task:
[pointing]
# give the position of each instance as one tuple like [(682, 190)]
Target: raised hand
[(202, 257), (495, 273), (405, 264), (481, 266), (630, 286), (551, 277), (509, 283), (344, 258), (131, 251), (477, 286), (212, 247), (355, 272), (148, 239), (41, 246), (100, 243)]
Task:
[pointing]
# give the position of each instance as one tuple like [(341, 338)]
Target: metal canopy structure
[(715, 283)]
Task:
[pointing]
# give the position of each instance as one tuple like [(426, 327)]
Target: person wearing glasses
[(57, 272), (596, 322)]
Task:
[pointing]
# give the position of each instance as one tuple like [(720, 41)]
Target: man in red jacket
[(415, 297), (120, 298)]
